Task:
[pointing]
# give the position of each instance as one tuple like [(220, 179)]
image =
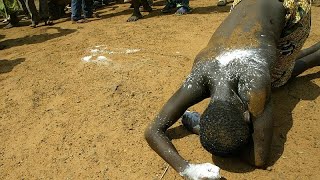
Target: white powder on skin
[(226, 57), (227, 66), (201, 171)]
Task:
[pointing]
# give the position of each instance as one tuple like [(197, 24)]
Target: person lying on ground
[(257, 47)]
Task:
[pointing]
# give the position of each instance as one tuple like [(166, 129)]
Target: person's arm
[(190, 93), (258, 153), (262, 136), (260, 108), (256, 93)]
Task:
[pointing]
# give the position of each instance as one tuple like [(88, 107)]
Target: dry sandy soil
[(64, 118)]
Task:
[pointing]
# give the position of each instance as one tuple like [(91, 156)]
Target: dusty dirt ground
[(64, 118)]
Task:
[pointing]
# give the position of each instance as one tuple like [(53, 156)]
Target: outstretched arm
[(190, 93)]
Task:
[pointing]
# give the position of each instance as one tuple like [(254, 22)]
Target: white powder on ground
[(87, 58), (94, 50), (129, 51), (98, 54), (101, 58)]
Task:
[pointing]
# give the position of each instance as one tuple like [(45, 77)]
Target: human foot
[(182, 11), (191, 121)]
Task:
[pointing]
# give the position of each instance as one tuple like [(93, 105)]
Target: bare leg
[(307, 59), (309, 50), (136, 12)]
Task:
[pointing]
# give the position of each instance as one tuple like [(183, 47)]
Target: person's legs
[(310, 50), (170, 5), (24, 7), (87, 6), (10, 10), (308, 58), (44, 12), (76, 10), (33, 12), (183, 7), (146, 5), (136, 11), (13, 21)]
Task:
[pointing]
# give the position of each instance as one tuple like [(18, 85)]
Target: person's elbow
[(260, 164), (148, 134)]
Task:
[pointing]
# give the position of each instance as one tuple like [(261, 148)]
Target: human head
[(223, 130)]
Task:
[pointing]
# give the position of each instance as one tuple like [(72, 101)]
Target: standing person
[(258, 46), (36, 17), (10, 8), (81, 5)]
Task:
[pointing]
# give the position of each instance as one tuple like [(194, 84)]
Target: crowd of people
[(81, 10)]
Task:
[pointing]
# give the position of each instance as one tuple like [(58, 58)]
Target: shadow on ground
[(39, 38), (285, 100), (8, 65)]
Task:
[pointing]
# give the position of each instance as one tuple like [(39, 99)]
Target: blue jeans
[(77, 5)]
